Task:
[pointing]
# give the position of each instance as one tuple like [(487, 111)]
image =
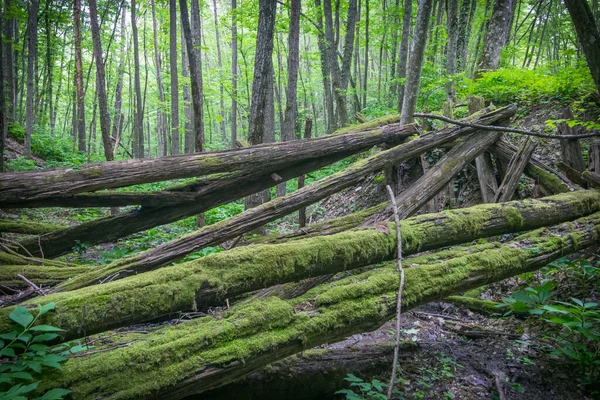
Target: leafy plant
[(374, 390), (25, 353)]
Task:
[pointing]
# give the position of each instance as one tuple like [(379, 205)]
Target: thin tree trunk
[(234, 73), (325, 70), (367, 57), (138, 111), (497, 31), (452, 47), (31, 61), (118, 116), (409, 104), (187, 99), (403, 53), (221, 89), (293, 64)]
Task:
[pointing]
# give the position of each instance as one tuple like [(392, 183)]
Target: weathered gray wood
[(31, 185), (514, 171), (571, 149), (538, 171), (486, 175)]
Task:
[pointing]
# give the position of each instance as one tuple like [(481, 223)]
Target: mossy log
[(43, 275), (270, 211), (487, 307), (370, 124), (33, 185), (27, 227), (209, 352), (207, 281), (12, 258), (536, 170)]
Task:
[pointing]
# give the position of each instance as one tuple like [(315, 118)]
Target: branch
[(506, 129)]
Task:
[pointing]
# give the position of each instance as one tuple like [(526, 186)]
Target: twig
[(499, 385), (35, 287), (40, 246), (507, 129), (400, 288)]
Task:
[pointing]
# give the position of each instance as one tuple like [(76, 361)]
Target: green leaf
[(21, 316), (21, 375), (38, 347), (55, 394), (8, 351), (12, 335), (24, 337), (46, 328), (44, 309), (35, 366), (45, 337), (352, 378), (53, 361)]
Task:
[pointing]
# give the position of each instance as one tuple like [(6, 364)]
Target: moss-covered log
[(482, 306), (370, 124), (207, 281), (40, 275), (270, 211), (27, 227), (32, 185), (12, 258), (536, 170), (210, 352)]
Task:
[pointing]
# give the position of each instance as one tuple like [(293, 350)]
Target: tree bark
[(452, 48), (265, 331), (571, 149), (35, 185), (588, 34), (101, 82), (118, 119), (514, 171), (403, 53), (32, 8), (411, 91), (234, 73), (302, 211), (535, 169), (291, 91), (138, 113), (220, 63), (495, 38)]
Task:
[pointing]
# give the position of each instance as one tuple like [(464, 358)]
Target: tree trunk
[(234, 73), (367, 57), (101, 82), (411, 91), (32, 8), (403, 53), (35, 185), (220, 63), (293, 64), (515, 169), (452, 48), (193, 44), (535, 169), (118, 118), (571, 149), (174, 77), (138, 114), (588, 34), (263, 80), (265, 331), (495, 38)]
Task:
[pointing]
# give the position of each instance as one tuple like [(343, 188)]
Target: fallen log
[(10, 257), (514, 171), (270, 211), (27, 227), (536, 170), (209, 352), (592, 177), (314, 374), (35, 185), (40, 275), (571, 152), (216, 193), (209, 280)]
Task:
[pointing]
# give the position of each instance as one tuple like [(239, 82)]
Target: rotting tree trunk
[(207, 353), (207, 281), (488, 184), (23, 186), (538, 171), (26, 227), (571, 149), (270, 211), (314, 374), (42, 276), (515, 169), (439, 175)]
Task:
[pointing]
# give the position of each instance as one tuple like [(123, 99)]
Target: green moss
[(513, 216), (374, 123), (482, 306), (549, 181), (92, 172), (27, 227)]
